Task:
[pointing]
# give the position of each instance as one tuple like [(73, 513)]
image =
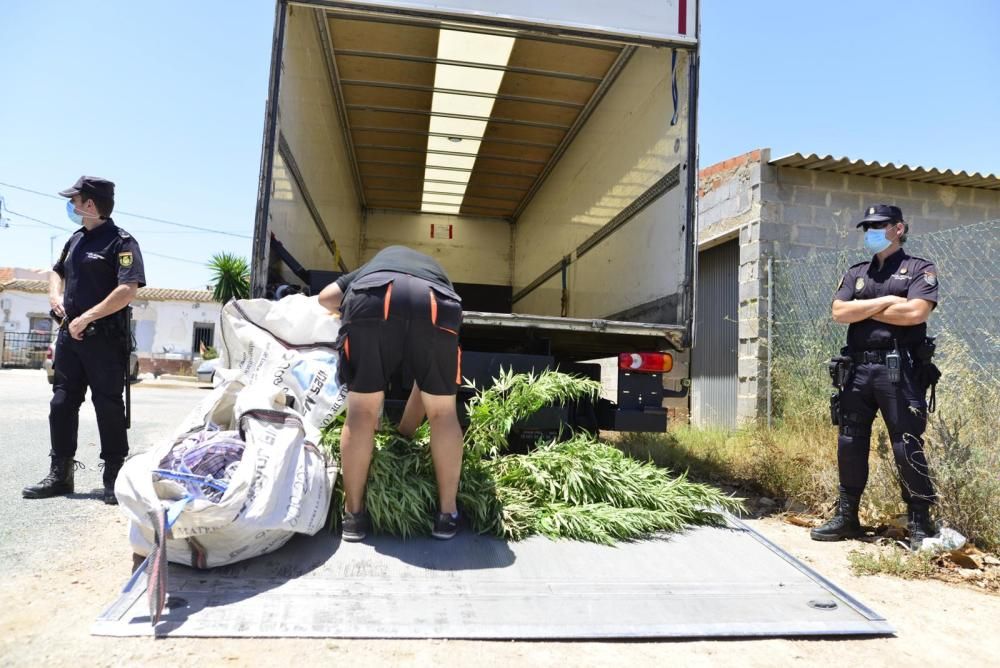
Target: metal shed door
[(714, 357)]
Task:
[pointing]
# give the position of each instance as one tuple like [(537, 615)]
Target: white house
[(170, 326)]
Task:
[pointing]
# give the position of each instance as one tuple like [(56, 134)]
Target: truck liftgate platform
[(709, 582)]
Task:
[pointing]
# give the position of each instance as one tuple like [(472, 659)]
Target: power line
[(171, 257), (26, 226), (140, 216), (167, 257), (36, 220), (190, 227)]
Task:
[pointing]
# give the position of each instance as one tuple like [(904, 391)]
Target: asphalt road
[(32, 528)]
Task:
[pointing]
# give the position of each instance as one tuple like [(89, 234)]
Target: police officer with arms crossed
[(885, 367), (98, 274), (399, 311)]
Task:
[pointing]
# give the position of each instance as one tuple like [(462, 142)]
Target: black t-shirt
[(402, 260), (902, 275), (93, 263)]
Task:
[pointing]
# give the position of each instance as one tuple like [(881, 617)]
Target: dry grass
[(796, 459), (892, 561)]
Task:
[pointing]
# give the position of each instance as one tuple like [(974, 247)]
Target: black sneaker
[(356, 526), (445, 526)]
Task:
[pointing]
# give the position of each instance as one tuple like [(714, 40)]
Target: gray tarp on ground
[(707, 582)]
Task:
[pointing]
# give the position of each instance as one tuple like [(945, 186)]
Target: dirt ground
[(46, 615)]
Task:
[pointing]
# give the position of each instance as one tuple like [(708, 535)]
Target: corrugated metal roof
[(147, 294), (890, 170)]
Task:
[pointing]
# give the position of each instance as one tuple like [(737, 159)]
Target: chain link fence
[(966, 322)]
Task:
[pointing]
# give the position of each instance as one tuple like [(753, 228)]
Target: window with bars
[(204, 335), (41, 324)]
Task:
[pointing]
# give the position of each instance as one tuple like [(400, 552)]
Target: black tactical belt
[(868, 356)]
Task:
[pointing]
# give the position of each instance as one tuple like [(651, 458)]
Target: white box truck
[(543, 153)]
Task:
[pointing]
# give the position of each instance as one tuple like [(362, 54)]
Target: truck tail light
[(48, 353), (646, 362)]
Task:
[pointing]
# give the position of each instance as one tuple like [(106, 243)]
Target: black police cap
[(882, 213), (91, 185)]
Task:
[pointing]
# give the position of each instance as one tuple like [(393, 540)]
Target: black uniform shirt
[(93, 263), (901, 275), (399, 259)]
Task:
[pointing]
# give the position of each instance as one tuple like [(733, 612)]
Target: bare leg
[(413, 414), (356, 444), (446, 447)]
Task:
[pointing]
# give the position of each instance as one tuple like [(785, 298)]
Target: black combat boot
[(58, 482), (845, 523), (918, 523), (111, 469)]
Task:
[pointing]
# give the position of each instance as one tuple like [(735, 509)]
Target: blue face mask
[(73, 215), (875, 241)]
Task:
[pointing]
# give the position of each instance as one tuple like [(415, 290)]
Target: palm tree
[(230, 277)]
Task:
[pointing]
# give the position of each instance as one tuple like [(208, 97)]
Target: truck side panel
[(622, 278), (627, 146), (308, 121)]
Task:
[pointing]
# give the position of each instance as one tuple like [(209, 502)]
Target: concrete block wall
[(728, 198), (730, 206), (806, 211)]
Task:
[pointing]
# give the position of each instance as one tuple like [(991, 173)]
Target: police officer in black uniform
[(886, 301), (98, 274)]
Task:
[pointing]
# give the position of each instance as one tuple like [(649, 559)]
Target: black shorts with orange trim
[(392, 322)]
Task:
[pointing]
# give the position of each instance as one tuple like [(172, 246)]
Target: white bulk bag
[(287, 344), (282, 485), (277, 383)]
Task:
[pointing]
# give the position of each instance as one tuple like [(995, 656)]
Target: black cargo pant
[(904, 408), (98, 362)]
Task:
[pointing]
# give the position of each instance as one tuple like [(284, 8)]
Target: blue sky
[(909, 81), (167, 99)]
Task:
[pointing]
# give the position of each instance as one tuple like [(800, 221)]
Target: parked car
[(133, 364), (206, 371)]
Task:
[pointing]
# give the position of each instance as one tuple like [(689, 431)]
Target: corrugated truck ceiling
[(449, 118)]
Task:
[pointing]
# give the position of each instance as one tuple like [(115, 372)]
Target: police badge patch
[(931, 279), (859, 284), (125, 259)]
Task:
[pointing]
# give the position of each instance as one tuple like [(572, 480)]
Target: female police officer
[(97, 275)]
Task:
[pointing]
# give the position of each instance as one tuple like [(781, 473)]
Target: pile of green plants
[(576, 488)]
